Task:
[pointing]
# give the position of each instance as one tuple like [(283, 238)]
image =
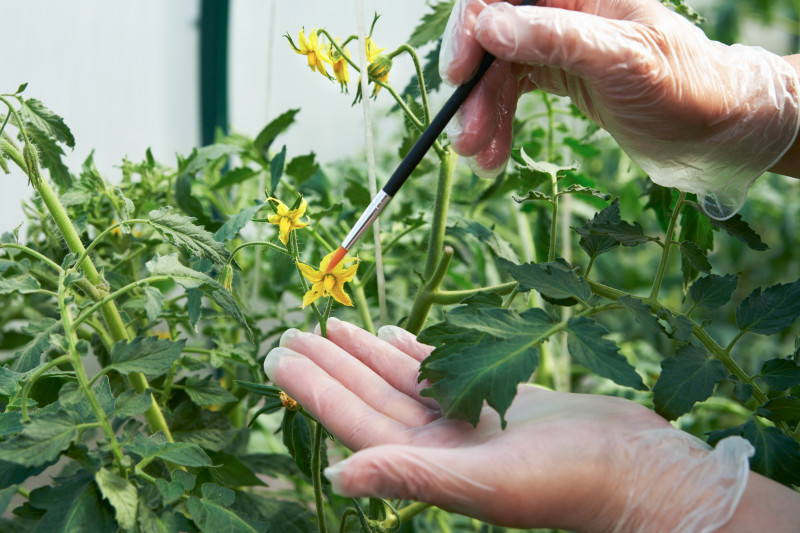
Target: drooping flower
[(378, 67), (372, 50), (340, 68), (316, 54), (330, 284), (287, 219)]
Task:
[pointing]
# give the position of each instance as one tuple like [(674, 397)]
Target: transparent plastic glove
[(592, 463), (693, 113)]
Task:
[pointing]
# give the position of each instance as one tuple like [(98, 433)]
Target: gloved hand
[(573, 461), (693, 113)]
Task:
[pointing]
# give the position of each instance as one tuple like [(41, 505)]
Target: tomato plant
[(137, 314)]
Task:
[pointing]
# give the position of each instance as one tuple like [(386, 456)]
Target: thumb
[(434, 475), (582, 44)]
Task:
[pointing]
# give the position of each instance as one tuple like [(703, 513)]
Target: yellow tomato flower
[(316, 54), (330, 284), (340, 67), (287, 219), (372, 50)]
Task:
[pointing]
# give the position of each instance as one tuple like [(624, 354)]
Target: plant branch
[(662, 265), (453, 297), (316, 474)]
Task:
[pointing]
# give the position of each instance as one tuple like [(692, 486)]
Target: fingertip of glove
[(275, 357)]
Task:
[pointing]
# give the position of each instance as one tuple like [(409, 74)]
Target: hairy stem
[(662, 265), (316, 473)]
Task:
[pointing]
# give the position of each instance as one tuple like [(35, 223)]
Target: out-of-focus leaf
[(738, 228), (276, 169), (209, 429), (642, 314), (73, 504), (499, 246), (782, 409), (695, 256), (277, 126), (555, 280), (236, 222), (22, 285), (696, 228), (780, 374), (132, 403), (686, 378), (432, 25), (212, 512), (302, 167)]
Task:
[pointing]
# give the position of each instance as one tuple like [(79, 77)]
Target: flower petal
[(347, 274), (329, 281), (311, 297), (285, 229), (310, 273), (340, 296)]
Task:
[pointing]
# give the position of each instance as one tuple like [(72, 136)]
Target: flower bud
[(379, 69), (227, 274)]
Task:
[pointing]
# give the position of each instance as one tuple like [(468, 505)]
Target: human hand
[(693, 113), (565, 460)]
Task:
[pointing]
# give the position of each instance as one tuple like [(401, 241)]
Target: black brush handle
[(432, 132)]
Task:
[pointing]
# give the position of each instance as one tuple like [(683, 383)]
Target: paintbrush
[(413, 158)]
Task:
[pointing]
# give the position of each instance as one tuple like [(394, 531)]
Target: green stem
[(551, 253), (316, 473), (411, 510), (662, 265), (266, 244), (101, 236), (420, 77), (424, 300), (551, 128), (169, 383), (66, 358), (362, 306), (80, 374), (439, 220), (52, 264), (86, 313), (453, 297)]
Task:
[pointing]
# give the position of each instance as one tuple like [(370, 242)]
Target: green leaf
[(157, 446), (555, 280), (30, 356), (713, 291), (545, 168), (170, 491), (499, 246), (265, 137), (642, 314), (212, 512), (696, 228), (686, 378), (153, 302), (209, 429), (770, 311), (586, 191), (10, 423), (533, 196), (5, 497), (600, 355), (276, 169), (777, 455), (595, 245), (695, 256), (121, 494), (622, 232), (236, 222), (34, 112), (234, 177), (297, 438), (202, 157), (169, 265), (432, 25), (780, 374), (291, 516), (181, 231), (10, 381), (131, 403), (150, 355), (73, 504), (681, 328), (660, 200), (486, 353), (230, 471), (42, 440), (50, 157), (207, 391), (302, 167), (739, 229), (783, 409)]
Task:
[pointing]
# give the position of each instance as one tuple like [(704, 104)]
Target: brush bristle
[(337, 257)]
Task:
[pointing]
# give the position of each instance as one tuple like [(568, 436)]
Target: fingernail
[(334, 474), (389, 333), (287, 336), (275, 357)]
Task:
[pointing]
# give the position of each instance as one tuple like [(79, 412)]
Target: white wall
[(124, 75)]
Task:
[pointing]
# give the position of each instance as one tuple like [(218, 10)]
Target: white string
[(368, 146)]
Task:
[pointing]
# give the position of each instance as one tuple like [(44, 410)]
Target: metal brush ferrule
[(369, 215)]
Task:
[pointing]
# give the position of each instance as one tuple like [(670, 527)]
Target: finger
[(358, 378), (398, 368), (477, 119), (492, 159), (580, 43), (346, 416), (426, 474), (405, 341), (461, 53)]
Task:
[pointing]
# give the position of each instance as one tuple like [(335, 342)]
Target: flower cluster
[(339, 59)]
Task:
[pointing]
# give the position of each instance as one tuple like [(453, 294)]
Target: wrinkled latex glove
[(695, 114), (572, 461)]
